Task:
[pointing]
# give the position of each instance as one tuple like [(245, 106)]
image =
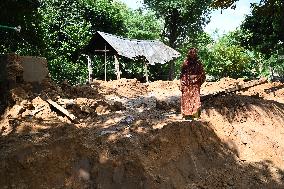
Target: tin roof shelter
[(153, 51)]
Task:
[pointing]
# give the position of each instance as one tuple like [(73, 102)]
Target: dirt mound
[(130, 135), (197, 158), (164, 88), (253, 125), (268, 91), (129, 88)]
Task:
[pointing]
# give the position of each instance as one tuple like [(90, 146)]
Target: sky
[(229, 19), (224, 22)]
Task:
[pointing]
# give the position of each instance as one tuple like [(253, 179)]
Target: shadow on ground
[(234, 106), (180, 155)]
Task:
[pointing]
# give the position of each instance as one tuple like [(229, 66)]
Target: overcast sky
[(227, 21)]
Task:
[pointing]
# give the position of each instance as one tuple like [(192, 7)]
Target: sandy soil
[(131, 135)]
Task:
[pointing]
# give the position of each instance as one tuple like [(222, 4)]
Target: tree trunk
[(173, 35), (171, 70), (172, 67)]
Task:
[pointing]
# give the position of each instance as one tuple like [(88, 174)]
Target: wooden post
[(146, 71), (105, 51), (116, 66), (105, 64), (90, 69)]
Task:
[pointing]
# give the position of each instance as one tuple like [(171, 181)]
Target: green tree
[(224, 3), (265, 29), (181, 19), (65, 33), (68, 31), (105, 15), (142, 25), (128, 23), (227, 58), (21, 13), (263, 33), (266, 26)]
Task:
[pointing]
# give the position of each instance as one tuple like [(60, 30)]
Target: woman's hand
[(181, 86), (192, 77)]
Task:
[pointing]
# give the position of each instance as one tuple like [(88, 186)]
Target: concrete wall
[(15, 69), (35, 68)]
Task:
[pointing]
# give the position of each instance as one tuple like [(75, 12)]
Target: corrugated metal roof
[(154, 51)]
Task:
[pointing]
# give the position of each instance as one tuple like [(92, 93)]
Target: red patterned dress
[(192, 77)]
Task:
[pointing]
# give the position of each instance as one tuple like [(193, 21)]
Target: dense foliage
[(59, 30), (265, 33), (183, 20), (227, 58), (266, 26), (22, 13)]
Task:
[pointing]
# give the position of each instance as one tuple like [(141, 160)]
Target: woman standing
[(191, 78)]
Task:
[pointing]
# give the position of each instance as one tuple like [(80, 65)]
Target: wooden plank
[(61, 109)]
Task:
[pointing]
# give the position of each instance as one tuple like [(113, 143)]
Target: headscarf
[(191, 62)]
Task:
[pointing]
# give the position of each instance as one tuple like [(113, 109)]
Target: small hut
[(153, 51)]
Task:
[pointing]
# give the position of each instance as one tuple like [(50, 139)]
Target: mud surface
[(131, 135)]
